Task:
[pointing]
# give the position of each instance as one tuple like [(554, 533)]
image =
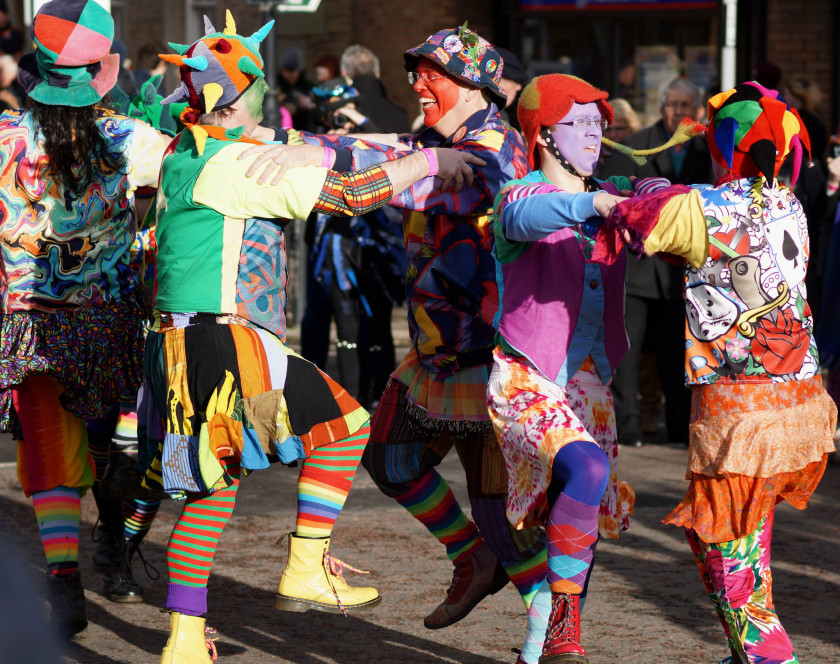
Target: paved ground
[(646, 603)]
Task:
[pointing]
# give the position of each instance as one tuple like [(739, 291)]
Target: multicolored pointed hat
[(466, 56), (71, 65), (752, 129), (216, 70)]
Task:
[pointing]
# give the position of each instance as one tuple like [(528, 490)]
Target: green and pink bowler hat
[(72, 64)]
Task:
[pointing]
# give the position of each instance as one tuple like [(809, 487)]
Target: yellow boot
[(312, 580), (188, 643)]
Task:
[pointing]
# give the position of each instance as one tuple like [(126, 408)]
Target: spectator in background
[(12, 93), (827, 253), (514, 76), (149, 64), (805, 96), (11, 39), (293, 88), (768, 75), (625, 87), (356, 264), (654, 306), (361, 65), (125, 78), (625, 122), (326, 68)]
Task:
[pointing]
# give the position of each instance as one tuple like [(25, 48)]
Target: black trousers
[(663, 321)]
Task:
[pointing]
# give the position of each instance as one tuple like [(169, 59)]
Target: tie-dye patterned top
[(61, 249)]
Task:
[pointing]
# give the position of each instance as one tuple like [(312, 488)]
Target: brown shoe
[(476, 576)]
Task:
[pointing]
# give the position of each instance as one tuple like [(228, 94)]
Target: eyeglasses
[(414, 76), (582, 124)]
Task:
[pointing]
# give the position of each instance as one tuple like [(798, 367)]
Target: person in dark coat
[(653, 308), (361, 65)]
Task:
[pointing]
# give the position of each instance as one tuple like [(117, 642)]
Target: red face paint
[(437, 96)]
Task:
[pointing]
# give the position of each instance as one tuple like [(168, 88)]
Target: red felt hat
[(547, 99)]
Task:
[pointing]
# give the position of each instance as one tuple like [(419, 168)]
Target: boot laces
[(461, 579), (113, 539), (335, 567), (210, 636), (563, 629), (151, 571)]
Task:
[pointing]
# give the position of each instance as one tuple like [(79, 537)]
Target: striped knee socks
[(432, 503), (324, 482), (58, 512)]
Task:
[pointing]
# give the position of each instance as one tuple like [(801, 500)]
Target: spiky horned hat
[(215, 71)]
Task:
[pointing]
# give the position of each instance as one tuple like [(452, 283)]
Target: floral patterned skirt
[(95, 353), (534, 418)]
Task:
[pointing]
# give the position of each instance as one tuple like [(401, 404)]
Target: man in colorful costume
[(223, 392), (561, 336), (762, 423), (436, 397)]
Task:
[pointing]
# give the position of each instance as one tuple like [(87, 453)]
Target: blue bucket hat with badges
[(464, 55)]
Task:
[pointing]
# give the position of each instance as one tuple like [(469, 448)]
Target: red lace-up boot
[(562, 640)]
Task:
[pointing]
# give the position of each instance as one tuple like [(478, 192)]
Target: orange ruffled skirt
[(752, 446)]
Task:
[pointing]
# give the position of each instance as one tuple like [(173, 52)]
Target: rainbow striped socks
[(430, 501), (529, 575), (324, 482), (58, 512)]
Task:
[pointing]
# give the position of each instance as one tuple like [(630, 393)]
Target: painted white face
[(710, 314), (581, 147)]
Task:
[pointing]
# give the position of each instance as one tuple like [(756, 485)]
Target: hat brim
[(75, 95), (412, 59)]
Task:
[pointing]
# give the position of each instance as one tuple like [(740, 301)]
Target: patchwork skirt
[(219, 387), (753, 445)]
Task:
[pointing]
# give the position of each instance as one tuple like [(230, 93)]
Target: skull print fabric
[(747, 318)]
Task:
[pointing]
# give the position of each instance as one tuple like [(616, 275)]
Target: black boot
[(67, 601), (123, 587), (109, 557)]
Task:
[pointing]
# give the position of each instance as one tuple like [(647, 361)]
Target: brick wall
[(799, 42)]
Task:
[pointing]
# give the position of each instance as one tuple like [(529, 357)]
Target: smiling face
[(580, 147), (437, 96)]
